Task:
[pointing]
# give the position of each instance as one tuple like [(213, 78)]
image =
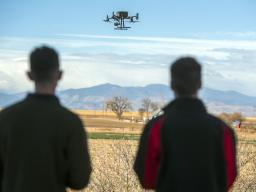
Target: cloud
[(247, 34), (89, 60)]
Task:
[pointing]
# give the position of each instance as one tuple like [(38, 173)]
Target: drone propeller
[(137, 16), (107, 19), (132, 19)]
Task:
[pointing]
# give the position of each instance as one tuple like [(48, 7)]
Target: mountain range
[(94, 98)]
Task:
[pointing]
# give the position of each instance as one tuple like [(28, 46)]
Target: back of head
[(44, 62), (186, 76)]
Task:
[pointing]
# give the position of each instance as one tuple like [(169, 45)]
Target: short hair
[(186, 76), (44, 61)]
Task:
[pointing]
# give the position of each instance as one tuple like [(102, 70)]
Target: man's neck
[(45, 89)]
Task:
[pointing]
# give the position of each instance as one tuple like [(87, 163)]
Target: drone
[(119, 19)]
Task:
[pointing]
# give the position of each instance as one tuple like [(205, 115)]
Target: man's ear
[(60, 74), (30, 76)]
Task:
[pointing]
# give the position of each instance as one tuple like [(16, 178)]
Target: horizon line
[(124, 86)]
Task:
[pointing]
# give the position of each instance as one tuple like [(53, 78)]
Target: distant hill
[(95, 97), (6, 99)]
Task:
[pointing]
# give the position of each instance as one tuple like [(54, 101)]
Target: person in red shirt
[(185, 148)]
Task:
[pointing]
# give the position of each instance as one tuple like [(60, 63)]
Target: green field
[(110, 123), (113, 136)]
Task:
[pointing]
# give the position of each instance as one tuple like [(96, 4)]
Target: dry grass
[(246, 162), (250, 119), (112, 166), (110, 124), (100, 121), (113, 159), (106, 114)]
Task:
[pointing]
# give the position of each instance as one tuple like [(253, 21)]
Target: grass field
[(113, 136), (95, 122), (113, 160), (106, 114), (113, 145), (111, 124)]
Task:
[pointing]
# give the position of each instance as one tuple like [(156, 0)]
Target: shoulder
[(221, 125), (69, 115), (69, 122), (217, 121), (156, 119), (8, 114), (11, 110)]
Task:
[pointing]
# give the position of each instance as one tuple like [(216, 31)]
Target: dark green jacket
[(43, 147)]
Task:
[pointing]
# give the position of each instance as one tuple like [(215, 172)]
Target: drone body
[(119, 19)]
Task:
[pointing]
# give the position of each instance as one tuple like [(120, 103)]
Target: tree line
[(119, 105)]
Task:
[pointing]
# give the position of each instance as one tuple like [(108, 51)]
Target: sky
[(221, 34)]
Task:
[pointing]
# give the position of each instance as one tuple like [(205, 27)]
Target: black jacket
[(43, 147), (186, 149)]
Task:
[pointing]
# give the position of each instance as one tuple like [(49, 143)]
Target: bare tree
[(155, 106), (119, 105), (146, 105), (149, 106)]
